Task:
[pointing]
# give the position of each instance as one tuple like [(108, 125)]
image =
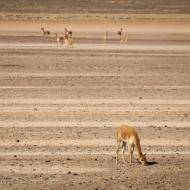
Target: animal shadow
[(151, 163)]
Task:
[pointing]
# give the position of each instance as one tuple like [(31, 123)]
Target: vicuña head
[(128, 136), (142, 159)]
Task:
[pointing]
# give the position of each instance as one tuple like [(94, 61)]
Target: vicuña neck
[(138, 146)]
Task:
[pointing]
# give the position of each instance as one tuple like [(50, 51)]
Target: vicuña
[(127, 136)]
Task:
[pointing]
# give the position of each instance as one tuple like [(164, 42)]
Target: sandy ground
[(60, 107)]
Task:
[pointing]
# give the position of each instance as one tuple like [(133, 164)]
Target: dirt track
[(59, 109)]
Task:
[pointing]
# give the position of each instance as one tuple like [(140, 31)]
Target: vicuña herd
[(67, 38)]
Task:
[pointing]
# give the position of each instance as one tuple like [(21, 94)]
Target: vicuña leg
[(123, 151), (130, 152), (117, 151)]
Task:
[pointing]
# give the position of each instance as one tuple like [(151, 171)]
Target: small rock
[(185, 115)]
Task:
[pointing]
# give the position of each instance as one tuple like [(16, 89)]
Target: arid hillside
[(96, 6)]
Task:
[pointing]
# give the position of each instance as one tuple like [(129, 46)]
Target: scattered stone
[(69, 172), (21, 165), (17, 140), (35, 109)]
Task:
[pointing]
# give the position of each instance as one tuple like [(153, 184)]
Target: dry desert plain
[(60, 107)]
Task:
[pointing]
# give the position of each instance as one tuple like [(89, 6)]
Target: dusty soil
[(59, 108)]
